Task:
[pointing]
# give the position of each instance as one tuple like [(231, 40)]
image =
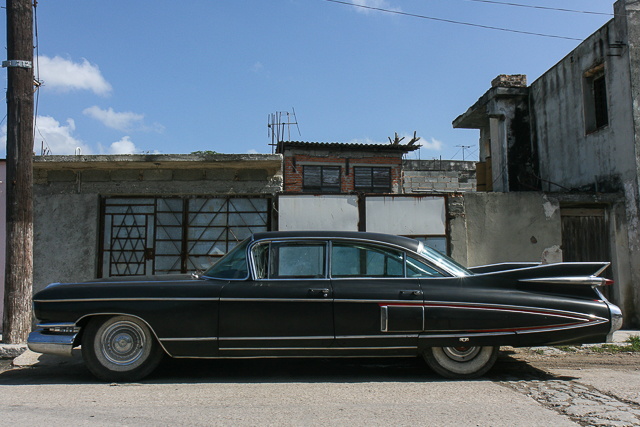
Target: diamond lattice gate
[(169, 235)]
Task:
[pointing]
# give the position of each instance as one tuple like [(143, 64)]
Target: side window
[(232, 266), (358, 260), (417, 268), (290, 260)]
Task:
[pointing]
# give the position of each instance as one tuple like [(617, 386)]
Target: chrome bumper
[(616, 320), (41, 341)]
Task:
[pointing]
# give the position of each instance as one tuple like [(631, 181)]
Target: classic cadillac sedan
[(325, 294)]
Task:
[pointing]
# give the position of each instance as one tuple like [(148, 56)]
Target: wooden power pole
[(19, 182)]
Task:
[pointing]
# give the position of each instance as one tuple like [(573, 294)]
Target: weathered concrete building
[(571, 141), (101, 216)]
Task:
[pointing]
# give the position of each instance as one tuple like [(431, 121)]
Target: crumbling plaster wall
[(509, 227)]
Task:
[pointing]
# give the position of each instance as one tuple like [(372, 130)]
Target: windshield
[(231, 266), (444, 261)]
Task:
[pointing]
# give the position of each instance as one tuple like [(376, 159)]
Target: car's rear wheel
[(461, 362), (120, 348)]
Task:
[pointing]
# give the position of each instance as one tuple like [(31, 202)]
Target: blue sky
[(177, 77)]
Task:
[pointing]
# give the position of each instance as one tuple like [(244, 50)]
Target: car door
[(377, 309), (287, 308)]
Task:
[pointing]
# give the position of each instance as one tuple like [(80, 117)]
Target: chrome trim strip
[(126, 299), (314, 348), (551, 328), (570, 280), (597, 273), (277, 299), (274, 338), (355, 337), (416, 302), (190, 339), (467, 305), (56, 325), (363, 356), (384, 318)]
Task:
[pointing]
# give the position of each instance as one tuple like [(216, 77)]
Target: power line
[(487, 27), (543, 7)]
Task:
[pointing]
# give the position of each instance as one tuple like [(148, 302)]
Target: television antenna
[(464, 147), (279, 126)]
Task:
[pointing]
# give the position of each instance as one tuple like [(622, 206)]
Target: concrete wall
[(569, 155), (68, 191), (439, 176)]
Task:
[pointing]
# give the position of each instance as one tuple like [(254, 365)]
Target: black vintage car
[(325, 294)]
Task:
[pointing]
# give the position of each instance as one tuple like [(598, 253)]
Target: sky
[(171, 77)]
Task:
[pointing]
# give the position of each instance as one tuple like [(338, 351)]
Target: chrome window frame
[(447, 273)]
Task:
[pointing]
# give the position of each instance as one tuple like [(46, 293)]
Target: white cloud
[(64, 74), (59, 139), (124, 146), (366, 141), (379, 4), (257, 67), (433, 145), (252, 151), (125, 121)]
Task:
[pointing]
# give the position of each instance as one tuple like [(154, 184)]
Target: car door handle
[(323, 291), (416, 293)]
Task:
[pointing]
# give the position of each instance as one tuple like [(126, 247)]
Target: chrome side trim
[(190, 339), (467, 305), (574, 280), (384, 318), (126, 299), (356, 337), (56, 325), (363, 356), (58, 344), (315, 348), (277, 299), (274, 338), (416, 302)]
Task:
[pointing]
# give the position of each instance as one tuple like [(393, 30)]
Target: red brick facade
[(346, 156)]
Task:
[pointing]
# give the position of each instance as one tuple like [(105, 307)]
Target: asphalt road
[(296, 392)]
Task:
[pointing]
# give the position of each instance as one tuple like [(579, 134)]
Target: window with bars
[(372, 179), (165, 235), (323, 179)]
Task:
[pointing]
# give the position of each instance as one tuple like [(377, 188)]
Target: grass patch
[(567, 348), (633, 346)]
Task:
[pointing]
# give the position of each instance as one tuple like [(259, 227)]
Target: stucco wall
[(509, 227), (65, 238)]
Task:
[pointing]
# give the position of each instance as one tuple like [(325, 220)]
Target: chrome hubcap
[(461, 354), (123, 343)]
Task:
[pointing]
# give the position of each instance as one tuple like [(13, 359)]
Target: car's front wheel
[(461, 362), (120, 348)]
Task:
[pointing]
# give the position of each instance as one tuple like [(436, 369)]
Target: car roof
[(404, 242)]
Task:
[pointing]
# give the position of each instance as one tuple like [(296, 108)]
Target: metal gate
[(585, 238), (175, 234)]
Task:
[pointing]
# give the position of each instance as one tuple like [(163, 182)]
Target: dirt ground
[(579, 359)]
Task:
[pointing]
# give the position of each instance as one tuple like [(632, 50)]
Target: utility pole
[(19, 183)]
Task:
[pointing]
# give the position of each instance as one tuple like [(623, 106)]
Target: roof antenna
[(277, 128)]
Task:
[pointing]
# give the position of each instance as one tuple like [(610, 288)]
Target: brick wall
[(293, 175)]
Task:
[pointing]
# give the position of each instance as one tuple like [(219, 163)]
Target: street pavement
[(58, 391)]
